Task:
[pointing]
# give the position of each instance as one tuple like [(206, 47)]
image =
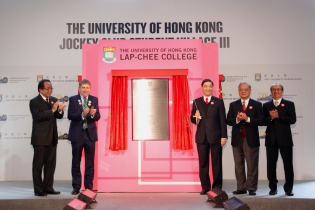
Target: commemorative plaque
[(150, 109)]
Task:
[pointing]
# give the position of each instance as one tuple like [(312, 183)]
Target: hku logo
[(39, 78), (258, 76), (4, 80), (109, 54)]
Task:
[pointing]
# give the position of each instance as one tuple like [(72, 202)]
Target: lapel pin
[(80, 103), (282, 104), (212, 102), (52, 102), (79, 100), (250, 107)]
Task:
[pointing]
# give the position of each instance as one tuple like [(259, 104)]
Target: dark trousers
[(44, 157), (216, 157), (251, 154), (272, 159), (89, 151)]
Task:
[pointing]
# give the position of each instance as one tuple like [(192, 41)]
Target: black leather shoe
[(40, 193), (251, 192), (75, 191), (53, 192), (289, 193), (237, 192), (273, 192), (203, 192)]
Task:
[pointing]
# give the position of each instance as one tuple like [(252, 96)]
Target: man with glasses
[(245, 115), (45, 110), (83, 113), (279, 114)]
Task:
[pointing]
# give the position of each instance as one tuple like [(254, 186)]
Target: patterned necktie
[(85, 119), (276, 103), (244, 105), (207, 101)]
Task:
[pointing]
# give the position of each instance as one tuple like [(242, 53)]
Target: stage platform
[(20, 195)]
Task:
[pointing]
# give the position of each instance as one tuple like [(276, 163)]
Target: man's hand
[(62, 106), (197, 114), (223, 142), (92, 111), (55, 107), (274, 114), (86, 111), (244, 116), (239, 117)]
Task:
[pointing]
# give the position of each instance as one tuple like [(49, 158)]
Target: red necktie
[(207, 101)]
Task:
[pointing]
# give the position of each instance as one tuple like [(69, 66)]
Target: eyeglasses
[(278, 89), (48, 89), (241, 90)]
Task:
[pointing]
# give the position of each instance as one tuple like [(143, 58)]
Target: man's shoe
[(75, 191), (289, 193), (203, 192), (273, 192), (251, 192), (40, 193), (53, 192), (237, 192)]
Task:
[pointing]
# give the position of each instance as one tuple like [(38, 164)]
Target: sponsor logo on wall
[(62, 136), (3, 117), (4, 80)]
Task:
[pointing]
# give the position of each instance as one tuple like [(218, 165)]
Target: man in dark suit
[(45, 110), (245, 115), (83, 113), (208, 113), (279, 114)]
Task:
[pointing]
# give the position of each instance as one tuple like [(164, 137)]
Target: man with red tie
[(279, 114), (245, 115), (208, 113)]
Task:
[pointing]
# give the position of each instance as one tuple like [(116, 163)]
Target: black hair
[(206, 80), (41, 84)]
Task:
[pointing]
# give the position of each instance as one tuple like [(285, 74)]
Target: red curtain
[(119, 114), (220, 86), (181, 114)]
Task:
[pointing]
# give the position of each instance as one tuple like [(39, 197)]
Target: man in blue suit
[(279, 114), (83, 112)]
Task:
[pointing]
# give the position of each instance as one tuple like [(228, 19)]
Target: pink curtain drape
[(119, 114), (181, 114)]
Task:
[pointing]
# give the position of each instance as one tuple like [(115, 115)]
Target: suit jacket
[(279, 128), (213, 123), (44, 129), (255, 113), (75, 110)]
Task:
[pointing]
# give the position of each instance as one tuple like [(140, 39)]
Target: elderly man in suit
[(83, 113), (45, 110), (245, 115), (279, 114), (208, 113)]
